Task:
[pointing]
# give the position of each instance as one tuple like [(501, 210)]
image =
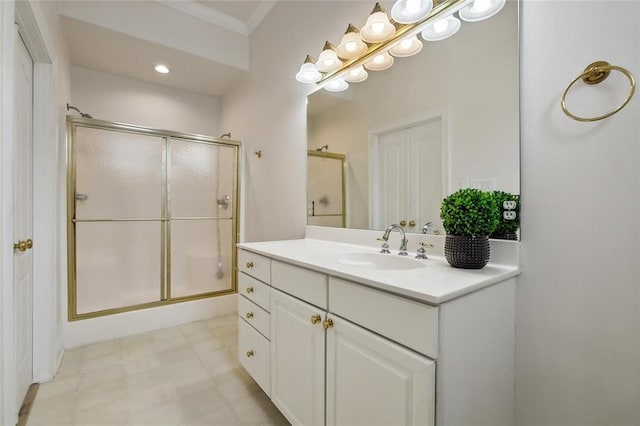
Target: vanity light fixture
[(161, 69), (378, 28), (308, 72), (379, 38), (410, 11), (481, 9), (351, 46)]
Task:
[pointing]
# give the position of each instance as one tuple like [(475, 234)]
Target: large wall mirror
[(444, 119)]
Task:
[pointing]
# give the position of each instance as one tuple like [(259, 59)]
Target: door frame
[(47, 337), (444, 114)]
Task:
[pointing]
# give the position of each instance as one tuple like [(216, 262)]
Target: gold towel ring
[(594, 74)]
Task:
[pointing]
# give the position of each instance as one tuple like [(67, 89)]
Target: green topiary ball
[(470, 211)]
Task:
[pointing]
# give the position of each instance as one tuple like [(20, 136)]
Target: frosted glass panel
[(118, 264), (201, 179), (118, 175), (200, 256)]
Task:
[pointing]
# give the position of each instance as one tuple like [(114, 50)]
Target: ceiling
[(205, 43)]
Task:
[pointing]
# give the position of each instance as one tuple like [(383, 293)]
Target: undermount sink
[(379, 261)]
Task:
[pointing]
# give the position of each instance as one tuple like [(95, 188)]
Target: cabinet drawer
[(254, 315), (410, 323), (254, 290), (307, 285), (254, 355), (254, 265)]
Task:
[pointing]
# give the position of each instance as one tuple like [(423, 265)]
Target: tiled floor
[(185, 375)]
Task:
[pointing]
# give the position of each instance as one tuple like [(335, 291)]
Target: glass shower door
[(118, 202), (202, 208)]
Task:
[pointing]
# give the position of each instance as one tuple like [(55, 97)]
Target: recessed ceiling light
[(162, 69)]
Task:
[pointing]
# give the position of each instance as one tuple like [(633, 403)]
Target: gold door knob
[(249, 354), (249, 290), (249, 265), (327, 324), (249, 315), (22, 245), (412, 223), (403, 223), (315, 319)]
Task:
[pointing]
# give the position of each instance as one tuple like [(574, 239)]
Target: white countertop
[(435, 283)]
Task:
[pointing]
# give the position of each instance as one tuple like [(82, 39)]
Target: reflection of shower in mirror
[(324, 148)]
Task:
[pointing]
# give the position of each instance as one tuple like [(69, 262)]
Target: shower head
[(82, 114), (323, 148), (226, 135)]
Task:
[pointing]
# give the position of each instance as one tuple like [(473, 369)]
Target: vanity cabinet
[(343, 353)]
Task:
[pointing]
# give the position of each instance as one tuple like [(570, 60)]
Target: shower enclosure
[(326, 196), (152, 217)]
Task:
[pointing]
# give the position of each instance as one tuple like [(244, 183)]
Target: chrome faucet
[(430, 228), (403, 243)]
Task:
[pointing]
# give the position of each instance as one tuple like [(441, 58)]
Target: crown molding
[(259, 14), (205, 13)]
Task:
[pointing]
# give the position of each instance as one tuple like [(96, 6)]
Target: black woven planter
[(467, 251)]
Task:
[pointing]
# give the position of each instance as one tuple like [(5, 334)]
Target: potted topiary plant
[(509, 220), (468, 216)]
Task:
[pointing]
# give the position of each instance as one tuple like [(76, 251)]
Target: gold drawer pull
[(327, 324), (315, 319), (403, 223), (249, 354), (249, 265), (249, 315), (412, 223), (249, 289)]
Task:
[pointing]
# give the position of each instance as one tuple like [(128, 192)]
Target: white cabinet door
[(372, 381), (297, 359)]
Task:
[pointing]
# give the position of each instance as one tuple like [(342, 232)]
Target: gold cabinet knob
[(249, 290), (249, 354), (412, 223), (249, 315), (315, 319), (403, 223), (327, 324), (249, 265), (23, 245)]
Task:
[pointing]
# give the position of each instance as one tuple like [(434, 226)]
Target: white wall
[(578, 345), (115, 98), (578, 328)]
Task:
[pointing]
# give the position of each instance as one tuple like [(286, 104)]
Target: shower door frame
[(165, 285)]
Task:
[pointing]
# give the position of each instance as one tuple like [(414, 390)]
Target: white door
[(373, 381), (297, 359), (23, 219), (409, 175)]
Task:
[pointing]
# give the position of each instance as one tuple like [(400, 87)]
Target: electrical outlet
[(509, 215), (509, 205)]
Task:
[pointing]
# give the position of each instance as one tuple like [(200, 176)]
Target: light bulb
[(441, 29), (440, 26), (481, 9), (380, 62), (351, 46), (356, 75), (407, 47), (481, 6), (336, 85), (377, 27), (308, 72), (410, 11), (328, 60)]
